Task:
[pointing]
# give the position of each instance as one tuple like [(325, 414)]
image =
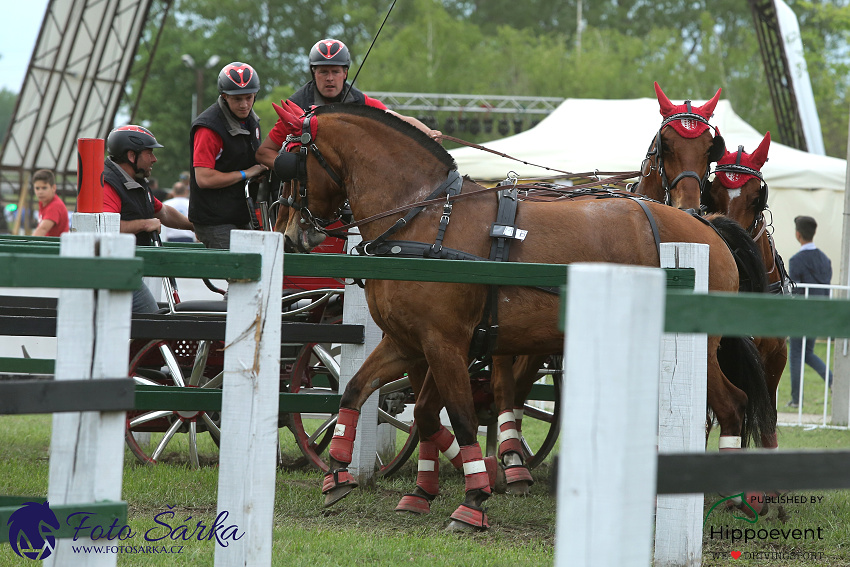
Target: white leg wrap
[(505, 417), (518, 413), (452, 451), (508, 434), (426, 465), (729, 442), (472, 467)]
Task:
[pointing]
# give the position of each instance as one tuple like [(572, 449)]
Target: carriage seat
[(202, 305)]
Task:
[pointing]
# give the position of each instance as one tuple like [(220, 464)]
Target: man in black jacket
[(809, 266), (224, 139), (329, 63)]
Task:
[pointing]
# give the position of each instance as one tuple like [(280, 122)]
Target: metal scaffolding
[(461, 103)]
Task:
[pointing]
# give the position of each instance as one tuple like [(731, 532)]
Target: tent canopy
[(614, 135)]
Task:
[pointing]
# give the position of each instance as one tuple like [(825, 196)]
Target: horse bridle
[(760, 204), (308, 146), (654, 153)]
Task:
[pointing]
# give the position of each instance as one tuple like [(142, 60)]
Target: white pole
[(249, 412), (609, 416), (681, 419), (93, 337), (355, 311)]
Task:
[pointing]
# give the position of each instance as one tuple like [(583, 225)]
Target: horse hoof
[(336, 494), (462, 527), (501, 485), (519, 488)]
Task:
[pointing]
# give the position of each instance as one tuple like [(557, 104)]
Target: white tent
[(614, 135)]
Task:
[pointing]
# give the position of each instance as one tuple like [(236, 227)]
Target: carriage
[(312, 368)]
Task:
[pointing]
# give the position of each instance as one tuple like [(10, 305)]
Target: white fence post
[(93, 337), (355, 311), (249, 412), (609, 415), (681, 419)]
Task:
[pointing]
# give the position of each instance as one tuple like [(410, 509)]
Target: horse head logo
[(31, 530)]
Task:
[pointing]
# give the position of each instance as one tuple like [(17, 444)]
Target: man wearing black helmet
[(224, 139), (126, 191), (329, 63)]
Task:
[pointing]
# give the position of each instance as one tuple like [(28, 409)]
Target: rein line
[(616, 176)]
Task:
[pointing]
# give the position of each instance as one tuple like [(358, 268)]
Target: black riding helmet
[(330, 52), (238, 78), (129, 138)]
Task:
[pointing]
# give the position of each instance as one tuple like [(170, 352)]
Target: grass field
[(363, 529)]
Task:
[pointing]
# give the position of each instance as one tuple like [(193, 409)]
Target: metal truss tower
[(75, 84)]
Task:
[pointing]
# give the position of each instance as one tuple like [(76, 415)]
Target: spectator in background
[(159, 193), (52, 212), (808, 266), (180, 202)]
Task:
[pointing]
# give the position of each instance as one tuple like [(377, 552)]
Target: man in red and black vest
[(329, 63), (224, 139), (126, 191)]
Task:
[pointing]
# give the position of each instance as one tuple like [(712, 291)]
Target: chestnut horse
[(378, 163), (739, 192)]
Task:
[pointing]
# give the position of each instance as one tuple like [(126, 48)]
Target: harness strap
[(452, 185), (652, 225)]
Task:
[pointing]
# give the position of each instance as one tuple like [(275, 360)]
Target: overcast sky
[(18, 32)]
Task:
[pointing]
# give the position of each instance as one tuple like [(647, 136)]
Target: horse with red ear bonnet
[(740, 192), (676, 167)]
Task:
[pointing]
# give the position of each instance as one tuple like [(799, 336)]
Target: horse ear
[(718, 149), (707, 109), (667, 107), (291, 121), (759, 156)]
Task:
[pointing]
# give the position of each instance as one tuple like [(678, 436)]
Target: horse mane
[(388, 119)]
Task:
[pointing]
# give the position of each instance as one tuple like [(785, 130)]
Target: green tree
[(7, 107)]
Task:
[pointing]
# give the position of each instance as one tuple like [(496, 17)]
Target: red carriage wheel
[(316, 370), (188, 364)]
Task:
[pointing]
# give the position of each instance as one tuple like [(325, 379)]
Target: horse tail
[(742, 364), (752, 273)]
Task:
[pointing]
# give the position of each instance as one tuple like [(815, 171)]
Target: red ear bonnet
[(754, 161), (292, 117), (686, 127)]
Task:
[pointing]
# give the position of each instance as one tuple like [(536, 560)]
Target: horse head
[(676, 167), (364, 155), (738, 189)]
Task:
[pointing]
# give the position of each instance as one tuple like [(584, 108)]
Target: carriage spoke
[(328, 360), (193, 445), (215, 382), (331, 421), (396, 386), (384, 417), (537, 413), (173, 367), (142, 381), (200, 364), (150, 416), (166, 439), (214, 430)]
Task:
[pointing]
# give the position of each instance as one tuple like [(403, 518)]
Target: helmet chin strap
[(138, 173)]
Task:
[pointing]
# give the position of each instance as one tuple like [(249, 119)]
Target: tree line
[(609, 49)]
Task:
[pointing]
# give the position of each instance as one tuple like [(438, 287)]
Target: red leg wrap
[(342, 443), (447, 444), (414, 503), (518, 413), (337, 477), (474, 468), (518, 473), (475, 517), (492, 470), (508, 434), (428, 477)]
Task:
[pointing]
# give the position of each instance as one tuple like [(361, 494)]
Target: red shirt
[(278, 133), (208, 147), (57, 212), (112, 202)]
